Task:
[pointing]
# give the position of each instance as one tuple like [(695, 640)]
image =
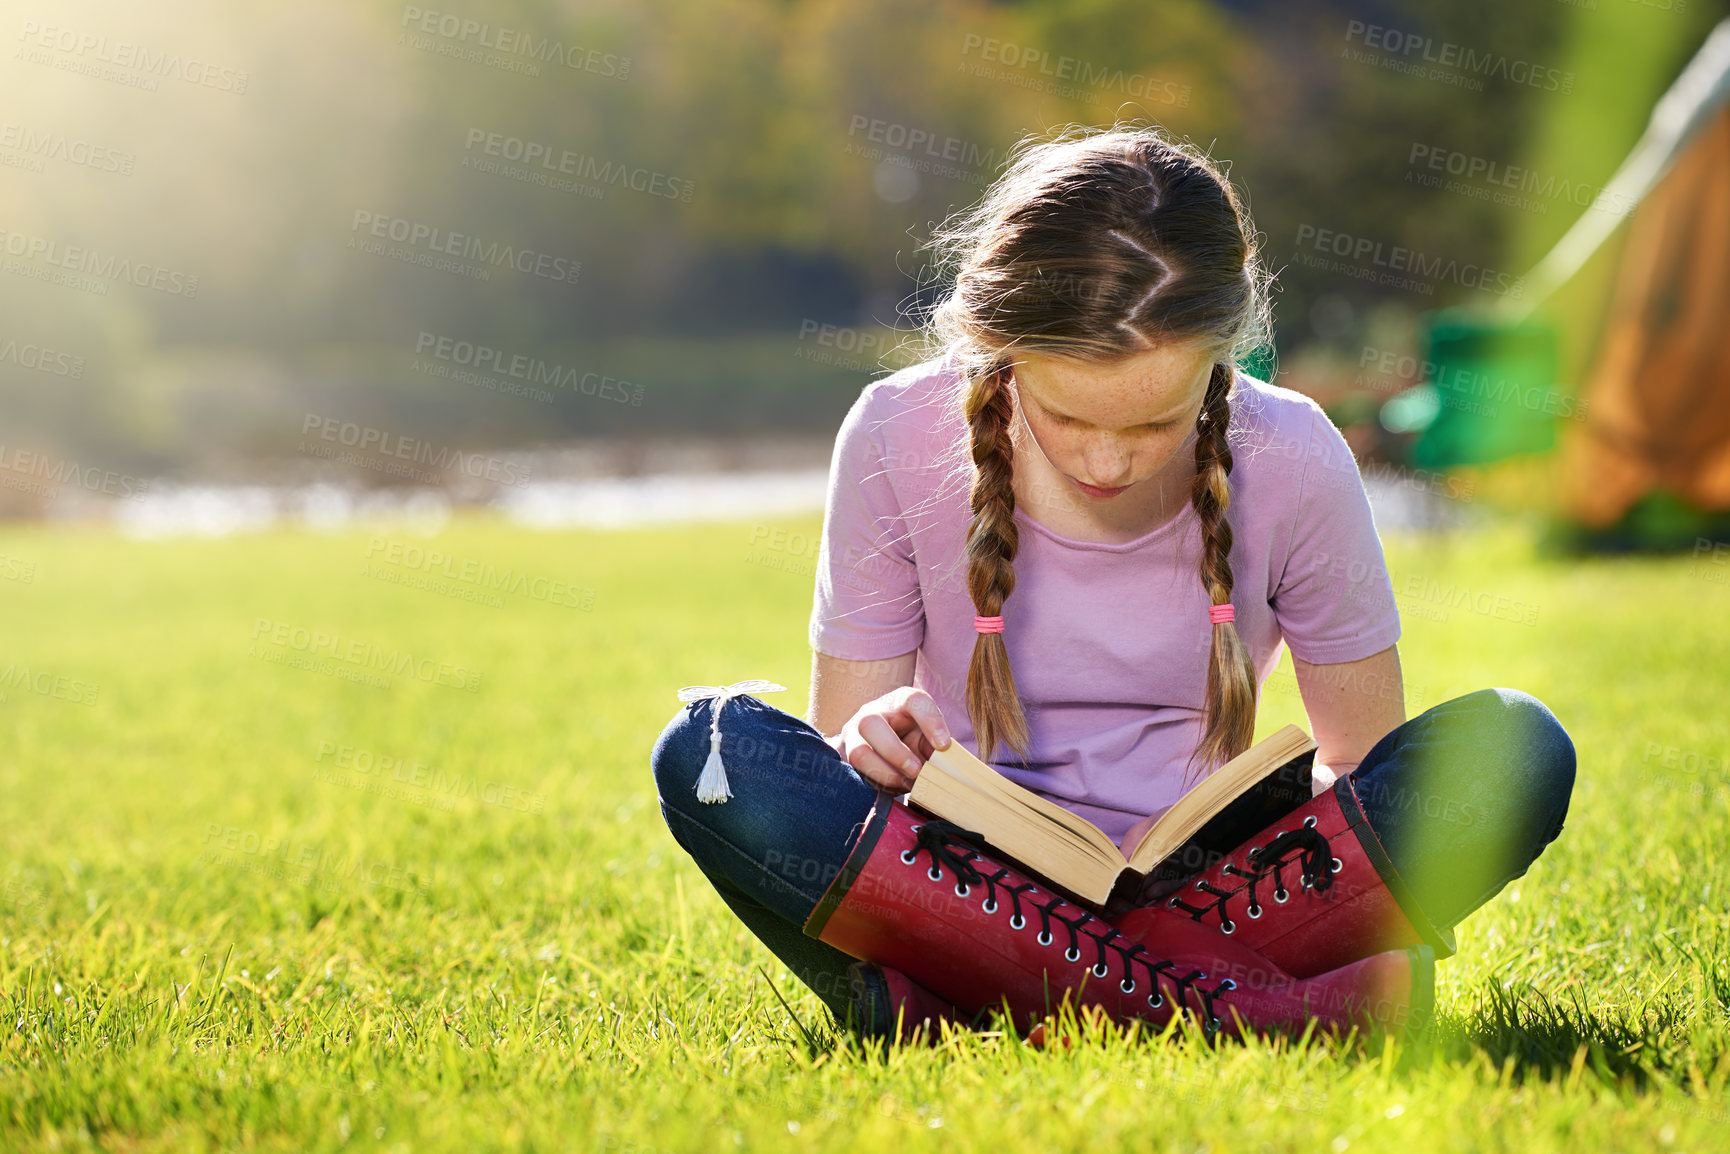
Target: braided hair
[(1231, 676), (1098, 246), (992, 541)]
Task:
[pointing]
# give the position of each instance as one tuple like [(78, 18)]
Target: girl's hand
[(1136, 833), (1322, 779), (1139, 831), (889, 739)]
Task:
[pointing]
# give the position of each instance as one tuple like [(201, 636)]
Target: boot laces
[(1305, 846), (947, 843)]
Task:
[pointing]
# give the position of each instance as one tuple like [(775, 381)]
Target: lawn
[(256, 894)]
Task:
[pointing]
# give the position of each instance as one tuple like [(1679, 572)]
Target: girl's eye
[(1156, 427)]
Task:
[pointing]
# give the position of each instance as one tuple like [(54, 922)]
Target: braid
[(1231, 690), (992, 541)]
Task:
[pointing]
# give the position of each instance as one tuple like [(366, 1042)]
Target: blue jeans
[(1464, 797)]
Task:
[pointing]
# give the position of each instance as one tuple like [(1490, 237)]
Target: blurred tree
[(813, 144)]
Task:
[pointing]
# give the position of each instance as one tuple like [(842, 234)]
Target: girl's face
[(1107, 427)]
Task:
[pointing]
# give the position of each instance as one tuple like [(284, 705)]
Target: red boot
[(1312, 892), (889, 1004), (914, 896)]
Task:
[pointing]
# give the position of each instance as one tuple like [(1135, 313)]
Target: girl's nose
[(1106, 461)]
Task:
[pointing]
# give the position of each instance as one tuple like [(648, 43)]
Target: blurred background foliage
[(780, 117)]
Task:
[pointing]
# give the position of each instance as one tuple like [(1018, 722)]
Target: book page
[(1194, 808), (961, 763), (1032, 845)]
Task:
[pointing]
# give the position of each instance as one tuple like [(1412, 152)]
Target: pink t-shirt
[(1108, 642)]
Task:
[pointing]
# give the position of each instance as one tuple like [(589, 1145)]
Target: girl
[(1075, 542)]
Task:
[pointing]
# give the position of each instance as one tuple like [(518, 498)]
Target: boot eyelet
[(908, 857), (1228, 984), (1337, 864), (1155, 1000), (1213, 1025), (1044, 938), (1253, 912), (1310, 821), (962, 891), (1172, 904), (1201, 885), (1017, 922), (1127, 985), (1227, 926), (935, 873), (1100, 969), (1280, 897), (990, 905), (1072, 954)]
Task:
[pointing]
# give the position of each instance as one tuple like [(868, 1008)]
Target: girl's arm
[(870, 712), (839, 688), (1351, 706)]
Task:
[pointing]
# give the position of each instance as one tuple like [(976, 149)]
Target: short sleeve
[(1334, 601), (867, 604)]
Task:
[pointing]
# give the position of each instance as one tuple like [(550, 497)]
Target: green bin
[(1491, 393)]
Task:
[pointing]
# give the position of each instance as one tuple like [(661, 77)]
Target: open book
[(1233, 804)]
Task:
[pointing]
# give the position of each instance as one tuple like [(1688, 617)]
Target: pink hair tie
[(1219, 614), (988, 624)]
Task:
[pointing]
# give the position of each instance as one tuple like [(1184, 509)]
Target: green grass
[(532, 963)]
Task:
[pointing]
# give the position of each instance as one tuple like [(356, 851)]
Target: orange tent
[(1658, 398)]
